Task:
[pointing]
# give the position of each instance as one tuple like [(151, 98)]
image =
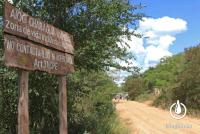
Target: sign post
[(23, 115), (31, 44), (62, 104)]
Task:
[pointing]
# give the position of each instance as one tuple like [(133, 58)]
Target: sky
[(187, 10), (171, 26)]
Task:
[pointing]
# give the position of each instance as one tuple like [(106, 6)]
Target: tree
[(188, 90), (134, 85), (97, 26)]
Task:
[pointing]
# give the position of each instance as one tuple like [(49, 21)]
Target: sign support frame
[(62, 104), (23, 112), (59, 45)]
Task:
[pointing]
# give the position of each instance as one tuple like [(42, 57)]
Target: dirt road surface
[(144, 119)]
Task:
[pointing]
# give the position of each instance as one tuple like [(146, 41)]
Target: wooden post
[(23, 115), (62, 104)]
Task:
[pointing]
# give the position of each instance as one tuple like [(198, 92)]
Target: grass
[(119, 127), (146, 97), (164, 101)]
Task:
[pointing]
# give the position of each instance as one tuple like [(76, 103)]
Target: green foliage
[(92, 109), (145, 96), (185, 87), (8, 100), (160, 77), (165, 99), (97, 26), (176, 77), (189, 85), (134, 85), (166, 72), (89, 103), (43, 103)]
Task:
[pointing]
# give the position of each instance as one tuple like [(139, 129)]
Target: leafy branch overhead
[(96, 25)]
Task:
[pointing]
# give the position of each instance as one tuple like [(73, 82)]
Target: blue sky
[(171, 26), (187, 10)]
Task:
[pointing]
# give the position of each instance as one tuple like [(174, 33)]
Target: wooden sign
[(29, 56), (30, 44), (21, 24)]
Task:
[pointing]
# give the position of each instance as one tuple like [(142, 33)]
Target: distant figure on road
[(121, 96)]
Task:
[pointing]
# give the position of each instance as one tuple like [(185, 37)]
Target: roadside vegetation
[(97, 27), (174, 78)]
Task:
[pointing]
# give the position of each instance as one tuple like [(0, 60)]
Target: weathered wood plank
[(21, 24), (23, 114), (29, 56), (62, 104)]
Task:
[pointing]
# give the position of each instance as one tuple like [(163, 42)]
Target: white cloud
[(165, 41), (135, 43), (164, 24), (159, 35), (150, 34), (154, 54)]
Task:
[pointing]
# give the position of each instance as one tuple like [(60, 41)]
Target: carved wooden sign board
[(31, 44), (37, 45)]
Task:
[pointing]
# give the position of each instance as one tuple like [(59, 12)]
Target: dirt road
[(143, 119)]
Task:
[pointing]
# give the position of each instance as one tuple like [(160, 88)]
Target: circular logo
[(178, 110)]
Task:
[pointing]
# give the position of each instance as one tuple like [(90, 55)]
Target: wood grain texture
[(62, 104), (18, 23), (23, 114), (30, 56)]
